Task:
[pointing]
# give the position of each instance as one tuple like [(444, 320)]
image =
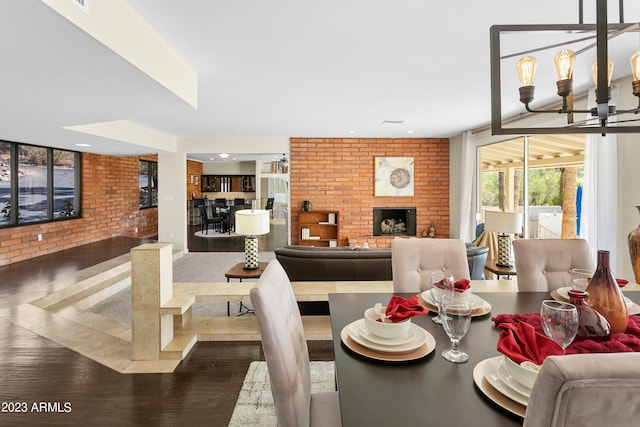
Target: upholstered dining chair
[(545, 264), (413, 260), (287, 355), (585, 390)]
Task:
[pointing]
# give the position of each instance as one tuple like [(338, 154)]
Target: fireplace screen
[(394, 221)]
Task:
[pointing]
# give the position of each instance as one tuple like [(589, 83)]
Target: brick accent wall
[(193, 169), (110, 202), (338, 174)]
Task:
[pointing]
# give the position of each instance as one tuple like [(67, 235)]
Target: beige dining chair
[(413, 260), (287, 355), (585, 390), (545, 264)]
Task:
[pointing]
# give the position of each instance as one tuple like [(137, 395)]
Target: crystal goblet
[(441, 284), (456, 319), (559, 321)]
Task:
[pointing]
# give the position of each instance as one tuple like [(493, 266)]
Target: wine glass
[(559, 321), (456, 319), (441, 284), (580, 278)]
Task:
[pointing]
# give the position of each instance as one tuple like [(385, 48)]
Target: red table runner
[(628, 340)]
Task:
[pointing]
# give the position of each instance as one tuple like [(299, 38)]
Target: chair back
[(545, 264), (284, 345), (413, 260), (238, 202), (596, 389), (204, 217), (269, 204)]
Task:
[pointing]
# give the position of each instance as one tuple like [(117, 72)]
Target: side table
[(499, 270), (239, 272)]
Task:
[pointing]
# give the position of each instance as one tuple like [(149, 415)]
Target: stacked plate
[(479, 307), (496, 373), (359, 333)]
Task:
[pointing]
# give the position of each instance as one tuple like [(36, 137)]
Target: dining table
[(428, 390)]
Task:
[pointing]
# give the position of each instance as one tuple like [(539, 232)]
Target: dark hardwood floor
[(70, 389), (276, 238)]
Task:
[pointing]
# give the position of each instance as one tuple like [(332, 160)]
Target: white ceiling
[(286, 68)]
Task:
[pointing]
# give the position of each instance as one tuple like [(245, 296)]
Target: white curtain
[(467, 178), (600, 191)]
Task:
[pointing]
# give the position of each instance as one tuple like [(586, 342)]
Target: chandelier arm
[(557, 110)]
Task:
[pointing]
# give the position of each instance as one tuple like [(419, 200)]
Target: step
[(179, 347), (97, 322), (178, 305), (83, 296), (245, 328)]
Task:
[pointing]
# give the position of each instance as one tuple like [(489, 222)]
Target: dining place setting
[(505, 352), (592, 316), (386, 333)]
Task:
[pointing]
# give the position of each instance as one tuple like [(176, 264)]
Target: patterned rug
[(254, 407), (215, 234)]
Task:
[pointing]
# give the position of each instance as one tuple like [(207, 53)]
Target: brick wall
[(193, 169), (109, 207), (338, 173)]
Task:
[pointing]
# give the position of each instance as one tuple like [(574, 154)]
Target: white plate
[(490, 371), (357, 327), (511, 382), (366, 334), (564, 293), (476, 301)]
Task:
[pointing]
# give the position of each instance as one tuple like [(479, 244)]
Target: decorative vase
[(591, 324), (634, 250), (605, 295)]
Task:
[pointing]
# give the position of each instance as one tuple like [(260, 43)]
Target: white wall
[(172, 199)]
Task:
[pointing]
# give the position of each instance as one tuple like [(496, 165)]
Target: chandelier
[(570, 41)]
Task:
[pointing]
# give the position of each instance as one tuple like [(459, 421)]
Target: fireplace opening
[(394, 221)]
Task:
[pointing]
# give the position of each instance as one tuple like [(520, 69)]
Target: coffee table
[(239, 272)]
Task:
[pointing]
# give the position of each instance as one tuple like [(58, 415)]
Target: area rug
[(214, 234), (255, 402)]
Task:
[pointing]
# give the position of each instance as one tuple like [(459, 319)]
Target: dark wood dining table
[(429, 391)]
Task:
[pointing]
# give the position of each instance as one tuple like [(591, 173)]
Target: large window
[(148, 183), (553, 173), (37, 184)]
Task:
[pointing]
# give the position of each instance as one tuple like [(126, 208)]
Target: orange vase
[(634, 250), (605, 295)]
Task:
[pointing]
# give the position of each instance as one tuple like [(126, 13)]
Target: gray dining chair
[(287, 355), (413, 260), (545, 264), (597, 389)]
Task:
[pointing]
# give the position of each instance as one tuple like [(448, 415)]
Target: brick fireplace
[(394, 221), (338, 174)]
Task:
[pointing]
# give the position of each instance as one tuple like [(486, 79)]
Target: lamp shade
[(251, 222), (503, 221)]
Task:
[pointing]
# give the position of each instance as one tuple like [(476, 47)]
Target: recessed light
[(409, 131), (83, 145), (351, 131), (224, 155)]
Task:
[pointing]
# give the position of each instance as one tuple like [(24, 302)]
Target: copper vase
[(605, 295), (634, 250)]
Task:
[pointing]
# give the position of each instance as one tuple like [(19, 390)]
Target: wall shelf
[(319, 228)]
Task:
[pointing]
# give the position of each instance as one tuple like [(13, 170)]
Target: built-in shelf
[(319, 228)]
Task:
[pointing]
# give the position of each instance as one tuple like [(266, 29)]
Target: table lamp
[(504, 223), (251, 223)]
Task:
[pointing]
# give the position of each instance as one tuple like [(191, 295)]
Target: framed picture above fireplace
[(393, 176)]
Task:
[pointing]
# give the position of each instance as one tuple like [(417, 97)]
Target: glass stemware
[(456, 319), (559, 321), (441, 284), (580, 278)]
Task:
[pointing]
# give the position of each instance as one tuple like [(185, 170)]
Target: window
[(148, 183), (43, 183), (554, 175)]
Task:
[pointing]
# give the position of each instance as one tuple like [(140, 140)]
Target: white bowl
[(387, 330), (525, 375)]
